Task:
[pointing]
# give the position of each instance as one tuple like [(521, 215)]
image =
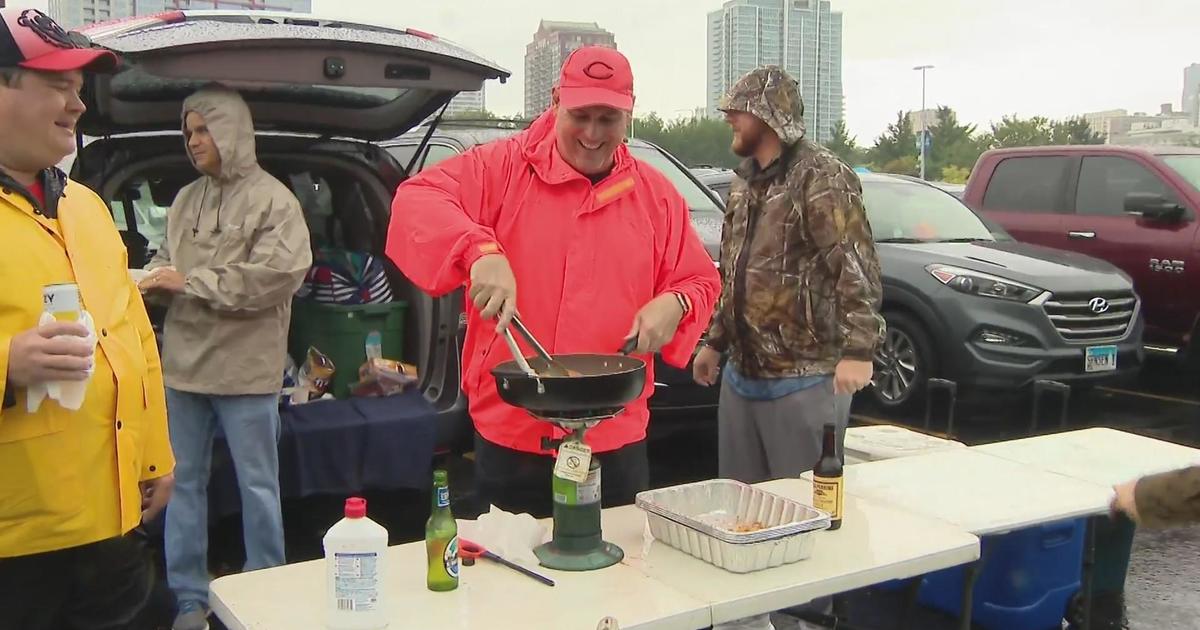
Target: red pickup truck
[(1135, 207)]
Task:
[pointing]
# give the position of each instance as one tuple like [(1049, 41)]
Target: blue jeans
[(251, 427)]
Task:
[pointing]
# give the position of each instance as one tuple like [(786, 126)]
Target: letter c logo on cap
[(599, 70)]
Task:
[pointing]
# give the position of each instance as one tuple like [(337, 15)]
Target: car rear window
[(1028, 184), (697, 199), (434, 153)]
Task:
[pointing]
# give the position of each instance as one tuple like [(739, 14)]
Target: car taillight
[(422, 34)]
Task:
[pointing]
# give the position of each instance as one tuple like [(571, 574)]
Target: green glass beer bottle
[(441, 539)]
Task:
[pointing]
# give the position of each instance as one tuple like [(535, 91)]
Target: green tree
[(907, 165), (896, 143), (845, 146), (1012, 131), (698, 141), (1074, 131), (955, 174), (953, 144), (650, 127), (471, 114), (694, 141)]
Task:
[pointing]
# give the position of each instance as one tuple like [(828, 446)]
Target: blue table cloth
[(340, 447)]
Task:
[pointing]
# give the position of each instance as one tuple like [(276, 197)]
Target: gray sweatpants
[(759, 440)]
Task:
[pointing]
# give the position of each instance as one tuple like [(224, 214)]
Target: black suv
[(964, 301)]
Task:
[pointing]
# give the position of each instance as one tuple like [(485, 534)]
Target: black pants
[(100, 586), (520, 482)]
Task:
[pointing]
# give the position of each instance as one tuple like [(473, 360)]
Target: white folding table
[(876, 543), (491, 596), (1102, 456), (978, 492), (655, 587)]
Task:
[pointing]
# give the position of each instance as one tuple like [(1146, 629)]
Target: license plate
[(1100, 359)]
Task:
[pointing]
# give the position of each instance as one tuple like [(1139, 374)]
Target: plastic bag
[(384, 377), (315, 377)]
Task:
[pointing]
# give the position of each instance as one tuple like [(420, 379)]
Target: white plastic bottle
[(355, 565)]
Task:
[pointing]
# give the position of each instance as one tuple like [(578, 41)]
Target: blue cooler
[(1026, 582)]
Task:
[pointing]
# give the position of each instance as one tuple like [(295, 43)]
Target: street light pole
[(924, 122)]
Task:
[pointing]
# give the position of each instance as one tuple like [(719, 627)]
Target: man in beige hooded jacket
[(237, 249)]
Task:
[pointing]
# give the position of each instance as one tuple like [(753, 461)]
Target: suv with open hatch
[(319, 117)]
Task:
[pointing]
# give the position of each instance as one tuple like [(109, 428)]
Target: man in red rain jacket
[(601, 249)]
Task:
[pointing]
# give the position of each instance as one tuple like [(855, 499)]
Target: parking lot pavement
[(1163, 403)]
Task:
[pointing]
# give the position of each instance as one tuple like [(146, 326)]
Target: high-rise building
[(804, 37), (78, 13), (552, 44), (1191, 92), (1118, 126), (1109, 123), (467, 102), (922, 120)]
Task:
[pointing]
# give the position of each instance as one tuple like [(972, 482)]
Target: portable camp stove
[(577, 543), (574, 392)]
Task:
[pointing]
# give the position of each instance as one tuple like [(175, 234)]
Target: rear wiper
[(901, 239)]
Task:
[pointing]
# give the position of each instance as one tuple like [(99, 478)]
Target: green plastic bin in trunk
[(340, 331)]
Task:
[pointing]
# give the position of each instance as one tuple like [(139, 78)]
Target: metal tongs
[(552, 367)]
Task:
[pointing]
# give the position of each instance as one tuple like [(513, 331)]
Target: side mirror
[(1153, 207)]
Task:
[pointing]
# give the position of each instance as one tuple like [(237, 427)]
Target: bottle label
[(570, 493), (356, 581), (450, 558), (828, 495), (61, 301), (589, 490), (573, 462), (443, 497)]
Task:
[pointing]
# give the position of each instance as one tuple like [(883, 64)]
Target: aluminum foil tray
[(732, 525)]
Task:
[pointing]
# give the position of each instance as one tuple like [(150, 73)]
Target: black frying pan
[(598, 384)]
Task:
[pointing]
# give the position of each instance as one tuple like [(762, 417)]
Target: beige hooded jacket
[(241, 242)]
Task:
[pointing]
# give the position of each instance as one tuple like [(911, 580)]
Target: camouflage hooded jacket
[(800, 275), (1168, 499)]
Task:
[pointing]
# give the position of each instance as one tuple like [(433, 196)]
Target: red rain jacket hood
[(586, 258)]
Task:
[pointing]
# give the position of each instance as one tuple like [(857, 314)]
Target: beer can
[(62, 301)]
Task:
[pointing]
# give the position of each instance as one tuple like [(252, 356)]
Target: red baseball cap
[(596, 75), (30, 39)]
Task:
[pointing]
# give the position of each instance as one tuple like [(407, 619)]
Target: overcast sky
[(992, 57)]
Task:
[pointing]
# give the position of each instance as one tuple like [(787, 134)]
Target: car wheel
[(903, 363)]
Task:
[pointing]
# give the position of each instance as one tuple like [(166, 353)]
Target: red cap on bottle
[(356, 507)]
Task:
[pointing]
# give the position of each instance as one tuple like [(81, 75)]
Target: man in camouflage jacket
[(798, 316), (1163, 500)]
